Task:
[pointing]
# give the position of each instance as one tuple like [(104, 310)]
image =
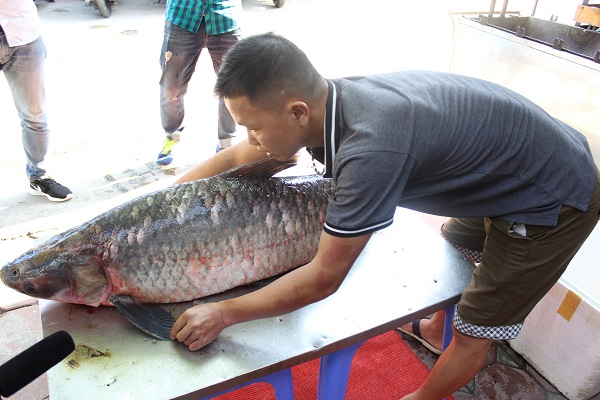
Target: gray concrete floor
[(102, 95)]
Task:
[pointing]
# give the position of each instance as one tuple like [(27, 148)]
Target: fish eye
[(29, 287)]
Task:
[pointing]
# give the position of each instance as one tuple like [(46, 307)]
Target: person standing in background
[(190, 26), (22, 58)]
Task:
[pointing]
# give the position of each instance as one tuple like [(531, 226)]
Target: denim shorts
[(519, 265)]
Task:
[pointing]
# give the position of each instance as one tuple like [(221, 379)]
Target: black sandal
[(416, 333)]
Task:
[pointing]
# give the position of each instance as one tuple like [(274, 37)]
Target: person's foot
[(165, 157), (46, 186), (414, 330)]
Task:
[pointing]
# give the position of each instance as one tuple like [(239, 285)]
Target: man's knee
[(470, 344)]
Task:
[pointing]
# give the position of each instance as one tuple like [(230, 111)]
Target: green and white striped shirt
[(220, 16)]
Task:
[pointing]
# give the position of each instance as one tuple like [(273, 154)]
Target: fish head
[(69, 271)]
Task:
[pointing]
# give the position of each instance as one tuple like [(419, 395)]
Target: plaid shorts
[(517, 265)]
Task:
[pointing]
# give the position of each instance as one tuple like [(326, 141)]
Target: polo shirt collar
[(331, 129)]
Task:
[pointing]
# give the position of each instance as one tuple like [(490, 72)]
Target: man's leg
[(519, 265), (455, 368), (218, 46), (467, 235), (179, 55), (24, 73)]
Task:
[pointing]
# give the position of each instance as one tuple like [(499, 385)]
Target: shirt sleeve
[(368, 188), (20, 22)]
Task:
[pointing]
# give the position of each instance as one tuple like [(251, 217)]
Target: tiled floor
[(505, 376), (21, 328)]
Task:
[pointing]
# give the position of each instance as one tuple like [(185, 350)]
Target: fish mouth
[(7, 274), (4, 272), (19, 277)]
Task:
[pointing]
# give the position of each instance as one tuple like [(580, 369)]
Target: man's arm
[(308, 284), (239, 154)]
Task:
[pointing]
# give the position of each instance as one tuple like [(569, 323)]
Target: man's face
[(279, 133)]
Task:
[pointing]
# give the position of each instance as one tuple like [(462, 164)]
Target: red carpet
[(383, 368)]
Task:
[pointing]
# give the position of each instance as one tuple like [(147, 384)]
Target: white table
[(407, 271)]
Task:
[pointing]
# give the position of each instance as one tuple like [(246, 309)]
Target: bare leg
[(457, 365)]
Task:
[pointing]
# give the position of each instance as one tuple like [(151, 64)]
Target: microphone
[(25, 367)]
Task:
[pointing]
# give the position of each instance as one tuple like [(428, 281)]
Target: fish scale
[(180, 243)]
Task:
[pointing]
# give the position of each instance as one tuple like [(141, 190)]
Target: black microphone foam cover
[(24, 368)]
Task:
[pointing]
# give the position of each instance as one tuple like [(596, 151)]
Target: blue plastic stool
[(334, 370), (448, 326), (335, 367), (281, 382)]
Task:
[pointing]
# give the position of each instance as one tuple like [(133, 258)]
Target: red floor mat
[(383, 368)]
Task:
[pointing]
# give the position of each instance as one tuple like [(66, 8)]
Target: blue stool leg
[(282, 383), (333, 373), (448, 326), (280, 380)]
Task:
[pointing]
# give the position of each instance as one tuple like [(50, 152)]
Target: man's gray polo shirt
[(448, 145)]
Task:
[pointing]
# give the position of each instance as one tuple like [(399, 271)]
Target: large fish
[(180, 243)]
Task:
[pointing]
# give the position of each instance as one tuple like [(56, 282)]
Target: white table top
[(407, 271)]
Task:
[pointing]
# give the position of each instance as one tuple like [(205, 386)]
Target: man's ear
[(300, 111)]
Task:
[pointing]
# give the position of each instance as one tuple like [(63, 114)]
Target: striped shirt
[(220, 16)]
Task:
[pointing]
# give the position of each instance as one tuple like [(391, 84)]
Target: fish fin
[(150, 318), (264, 282), (265, 168)]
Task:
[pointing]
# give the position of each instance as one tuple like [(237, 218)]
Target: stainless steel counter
[(407, 271), (564, 84)]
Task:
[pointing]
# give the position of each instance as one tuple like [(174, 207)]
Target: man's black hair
[(266, 69)]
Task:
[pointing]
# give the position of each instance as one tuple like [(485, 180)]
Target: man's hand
[(198, 325), (307, 284)]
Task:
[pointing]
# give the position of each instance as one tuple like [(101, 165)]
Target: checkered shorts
[(517, 268), (472, 255), (483, 332), (486, 332)]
